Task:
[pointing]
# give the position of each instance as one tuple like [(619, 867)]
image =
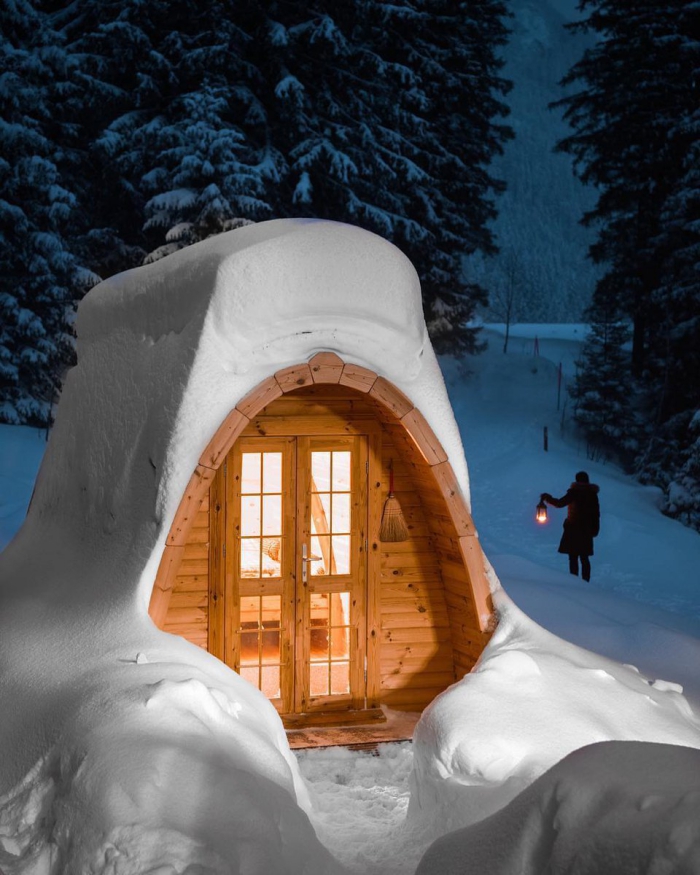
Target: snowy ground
[(642, 607)]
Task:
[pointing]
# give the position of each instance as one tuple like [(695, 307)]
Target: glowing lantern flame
[(541, 515)]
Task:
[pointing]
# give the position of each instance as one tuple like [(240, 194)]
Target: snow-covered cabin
[(223, 453)]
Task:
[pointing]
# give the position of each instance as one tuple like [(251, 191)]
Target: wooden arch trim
[(324, 367)]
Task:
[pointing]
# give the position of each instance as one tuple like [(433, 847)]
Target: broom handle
[(391, 477)]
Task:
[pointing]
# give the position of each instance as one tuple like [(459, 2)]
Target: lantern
[(541, 515)]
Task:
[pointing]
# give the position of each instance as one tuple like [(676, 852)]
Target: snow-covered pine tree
[(173, 130), (671, 455), (40, 277), (600, 391), (442, 116), (115, 72), (636, 136), (323, 99), (387, 113), (635, 85), (207, 161)]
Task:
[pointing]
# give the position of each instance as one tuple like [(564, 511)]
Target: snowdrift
[(531, 700), (618, 807)]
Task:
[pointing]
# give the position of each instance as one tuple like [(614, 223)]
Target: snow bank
[(619, 807), (158, 775), (532, 699)]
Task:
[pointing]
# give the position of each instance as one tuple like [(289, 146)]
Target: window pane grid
[(331, 519), (260, 653), (330, 644), (261, 515)]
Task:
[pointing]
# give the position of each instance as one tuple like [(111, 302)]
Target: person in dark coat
[(582, 522)]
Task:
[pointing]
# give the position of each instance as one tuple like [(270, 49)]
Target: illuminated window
[(261, 515), (260, 642), (330, 511), (330, 643)]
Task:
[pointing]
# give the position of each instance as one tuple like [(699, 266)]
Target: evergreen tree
[(637, 136), (444, 72), (40, 277), (602, 404), (637, 83), (163, 87), (387, 112)]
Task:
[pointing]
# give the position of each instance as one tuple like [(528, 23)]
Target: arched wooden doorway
[(274, 564)]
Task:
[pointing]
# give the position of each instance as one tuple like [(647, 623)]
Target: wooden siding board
[(188, 510)]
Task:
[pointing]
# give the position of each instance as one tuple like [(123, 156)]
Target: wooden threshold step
[(333, 718)]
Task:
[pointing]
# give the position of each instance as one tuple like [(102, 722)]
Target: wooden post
[(559, 387)]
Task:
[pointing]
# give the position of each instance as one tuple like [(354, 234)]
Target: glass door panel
[(261, 515), (330, 644), (332, 521), (260, 644), (297, 569), (330, 489), (261, 501)]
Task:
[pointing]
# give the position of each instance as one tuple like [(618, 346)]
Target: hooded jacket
[(582, 522)]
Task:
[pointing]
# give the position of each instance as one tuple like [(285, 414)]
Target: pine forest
[(131, 129)]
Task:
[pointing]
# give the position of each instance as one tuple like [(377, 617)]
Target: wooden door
[(295, 569)]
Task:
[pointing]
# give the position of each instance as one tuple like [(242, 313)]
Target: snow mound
[(531, 700), (161, 774), (617, 807)]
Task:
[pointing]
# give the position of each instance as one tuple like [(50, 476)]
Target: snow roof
[(165, 351)]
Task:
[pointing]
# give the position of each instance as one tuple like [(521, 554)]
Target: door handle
[(305, 559)]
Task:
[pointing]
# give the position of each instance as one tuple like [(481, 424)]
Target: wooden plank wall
[(429, 634), (189, 604), (416, 661), (467, 641)]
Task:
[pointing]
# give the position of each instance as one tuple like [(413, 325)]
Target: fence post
[(559, 387)]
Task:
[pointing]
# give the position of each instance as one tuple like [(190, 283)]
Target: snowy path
[(360, 803)]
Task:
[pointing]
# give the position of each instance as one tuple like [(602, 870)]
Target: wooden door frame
[(328, 368), (227, 587), (224, 583), (359, 616)]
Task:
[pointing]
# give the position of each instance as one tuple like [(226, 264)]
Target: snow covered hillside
[(533, 699)]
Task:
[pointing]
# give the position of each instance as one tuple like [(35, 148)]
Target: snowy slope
[(502, 408)]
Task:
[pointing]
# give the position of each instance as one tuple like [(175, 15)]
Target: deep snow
[(476, 746)]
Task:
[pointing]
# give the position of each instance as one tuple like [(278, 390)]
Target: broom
[(393, 526)]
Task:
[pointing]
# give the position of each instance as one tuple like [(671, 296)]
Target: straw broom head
[(393, 526)]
